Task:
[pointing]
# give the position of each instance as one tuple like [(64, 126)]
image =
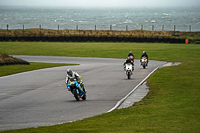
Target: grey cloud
[(101, 3)]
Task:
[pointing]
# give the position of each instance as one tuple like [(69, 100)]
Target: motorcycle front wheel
[(129, 75), (76, 95), (144, 66), (84, 97)]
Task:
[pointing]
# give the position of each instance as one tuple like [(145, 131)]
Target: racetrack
[(40, 97)]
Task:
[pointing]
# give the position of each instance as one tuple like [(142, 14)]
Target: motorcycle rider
[(73, 74), (145, 55), (129, 60), (131, 55)]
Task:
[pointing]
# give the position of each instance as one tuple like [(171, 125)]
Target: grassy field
[(172, 104), (13, 69), (10, 65), (157, 51)]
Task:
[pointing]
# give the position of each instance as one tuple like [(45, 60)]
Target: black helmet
[(128, 58)]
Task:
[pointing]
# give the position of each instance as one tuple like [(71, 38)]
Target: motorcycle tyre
[(84, 97), (129, 75), (144, 66), (76, 95)]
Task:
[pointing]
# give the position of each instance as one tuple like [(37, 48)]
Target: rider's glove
[(66, 82)]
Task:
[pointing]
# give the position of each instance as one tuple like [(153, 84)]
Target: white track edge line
[(123, 99)]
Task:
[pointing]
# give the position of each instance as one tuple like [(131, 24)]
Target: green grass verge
[(156, 51), (13, 69), (172, 104)]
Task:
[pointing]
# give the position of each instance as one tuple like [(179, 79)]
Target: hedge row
[(90, 39), (14, 63), (9, 60)]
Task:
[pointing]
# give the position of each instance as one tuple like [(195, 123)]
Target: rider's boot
[(84, 90)]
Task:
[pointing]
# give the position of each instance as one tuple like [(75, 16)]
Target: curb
[(123, 99)]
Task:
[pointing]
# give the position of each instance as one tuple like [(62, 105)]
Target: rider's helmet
[(129, 58), (144, 52), (69, 72), (130, 52), (132, 58)]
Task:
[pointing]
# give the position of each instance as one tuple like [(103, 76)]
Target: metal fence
[(186, 28)]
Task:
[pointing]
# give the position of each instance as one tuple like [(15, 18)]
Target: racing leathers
[(145, 55), (128, 60), (131, 55), (78, 79)]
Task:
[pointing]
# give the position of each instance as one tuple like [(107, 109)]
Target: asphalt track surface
[(40, 97)]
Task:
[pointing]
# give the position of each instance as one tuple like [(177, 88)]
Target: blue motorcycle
[(77, 90)]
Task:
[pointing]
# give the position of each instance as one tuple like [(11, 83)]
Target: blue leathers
[(74, 75)]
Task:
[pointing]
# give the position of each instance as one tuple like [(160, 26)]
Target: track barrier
[(92, 39)]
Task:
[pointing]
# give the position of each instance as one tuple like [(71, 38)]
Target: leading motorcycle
[(129, 70), (76, 89)]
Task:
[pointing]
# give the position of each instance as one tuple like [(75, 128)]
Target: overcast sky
[(101, 3)]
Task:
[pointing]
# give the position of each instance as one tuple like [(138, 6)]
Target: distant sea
[(103, 18)]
